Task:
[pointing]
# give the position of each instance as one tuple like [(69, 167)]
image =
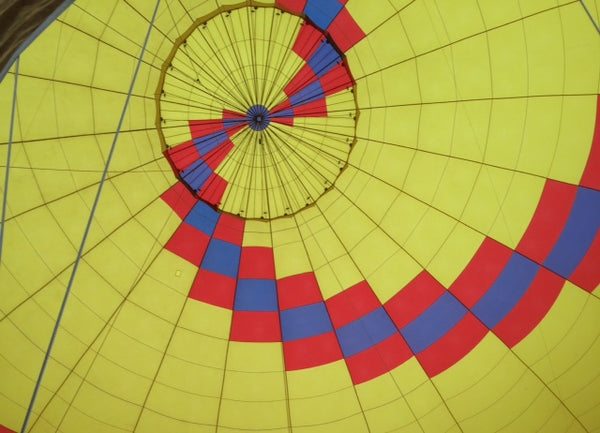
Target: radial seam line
[(8, 156), (89, 224)]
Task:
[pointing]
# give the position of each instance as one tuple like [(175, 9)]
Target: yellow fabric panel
[(93, 405), (518, 207), (564, 350), (424, 27), (484, 208), (345, 272), (348, 222), (368, 17), (206, 319), (461, 18), (393, 416), (454, 254), (436, 128), (540, 60), (355, 423), (327, 409), (257, 234), (375, 52), (428, 236), (437, 81), (320, 380), (289, 250), (255, 357), (541, 128), (470, 67), (495, 14), (504, 143), (252, 416), (470, 129), (177, 404), (424, 175), (517, 401), (329, 284), (254, 387), (455, 186), (373, 250), (203, 353), (151, 422), (321, 242), (393, 274), (35, 241), (569, 161), (291, 259), (137, 340), (368, 193), (391, 163), (403, 216), (508, 60), (429, 409)]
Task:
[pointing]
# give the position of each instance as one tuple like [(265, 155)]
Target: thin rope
[(589, 14), (8, 155), (89, 224)]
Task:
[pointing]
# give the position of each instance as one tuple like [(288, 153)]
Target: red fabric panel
[(295, 6), (302, 79), (548, 221), (257, 263), (200, 128), (453, 346), (215, 157), (188, 243), (345, 31), (180, 199), (230, 228), (311, 352), (587, 274), (213, 288), (298, 291), (531, 309), (255, 326), (212, 191), (336, 80), (414, 299), (379, 359), (351, 304), (285, 105), (182, 155), (484, 268), (307, 42), (316, 108), (591, 175)]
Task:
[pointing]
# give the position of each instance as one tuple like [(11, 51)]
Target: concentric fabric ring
[(271, 66), (446, 279)]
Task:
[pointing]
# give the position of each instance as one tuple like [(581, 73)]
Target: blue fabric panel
[(256, 295), (322, 12), (433, 323), (222, 257), (506, 291), (577, 235), (208, 142), (203, 217), (197, 174), (310, 93), (228, 123), (283, 114), (304, 322), (365, 332), (324, 59)]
